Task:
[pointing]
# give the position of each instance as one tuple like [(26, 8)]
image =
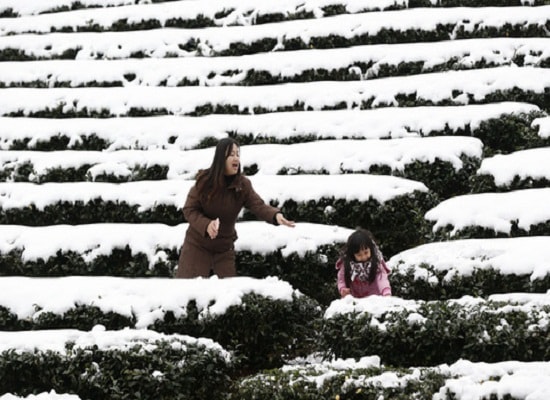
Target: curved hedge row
[(503, 84), (510, 214), (349, 30), (260, 340), (405, 333), (170, 367), (336, 8), (446, 165), (313, 274), (503, 128), (343, 64), (405, 211)]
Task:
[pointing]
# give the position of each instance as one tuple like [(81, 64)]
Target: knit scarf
[(360, 270)]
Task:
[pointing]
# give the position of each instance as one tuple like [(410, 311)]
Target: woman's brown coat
[(200, 253)]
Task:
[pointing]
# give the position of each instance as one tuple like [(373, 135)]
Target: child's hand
[(345, 292)]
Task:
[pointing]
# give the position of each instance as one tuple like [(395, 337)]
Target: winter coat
[(226, 206), (380, 285)]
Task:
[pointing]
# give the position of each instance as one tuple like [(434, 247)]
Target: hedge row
[(342, 381), (439, 176), (351, 72), (383, 36), (268, 331), (166, 370), (366, 379), (312, 274), (480, 283), (506, 134), (63, 110), (480, 232), (430, 333), (332, 9), (405, 211)]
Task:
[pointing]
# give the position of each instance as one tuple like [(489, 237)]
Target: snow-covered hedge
[(354, 63), (226, 12), (477, 267), (444, 164), (501, 126), (445, 88), (51, 395), (377, 202), (110, 364), (414, 25), (303, 256), (252, 317), (519, 170), (407, 332), (19, 8), (489, 215), (366, 379)]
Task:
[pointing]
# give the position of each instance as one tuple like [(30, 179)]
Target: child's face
[(362, 255)]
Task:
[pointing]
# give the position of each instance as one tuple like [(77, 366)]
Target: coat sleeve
[(192, 211), (341, 275), (256, 205), (382, 280)]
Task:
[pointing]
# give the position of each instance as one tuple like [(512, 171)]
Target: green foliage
[(480, 283), (268, 331), (306, 383), (313, 274), (480, 232), (266, 44), (486, 183), (165, 372), (405, 211), (450, 331)]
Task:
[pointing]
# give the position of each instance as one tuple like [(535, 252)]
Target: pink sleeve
[(341, 275), (382, 281)]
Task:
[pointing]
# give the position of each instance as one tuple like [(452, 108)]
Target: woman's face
[(232, 161), (362, 255)]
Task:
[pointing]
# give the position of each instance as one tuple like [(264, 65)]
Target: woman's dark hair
[(358, 240), (210, 181)]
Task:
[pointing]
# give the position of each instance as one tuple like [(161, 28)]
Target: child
[(361, 268)]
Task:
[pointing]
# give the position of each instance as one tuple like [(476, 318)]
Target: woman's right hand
[(213, 227)]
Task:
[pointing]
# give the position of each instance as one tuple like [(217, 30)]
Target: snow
[(519, 380), (145, 299), (51, 395), (333, 156), (55, 340), (509, 256), (162, 42), (150, 133), (209, 71), (532, 163), (544, 126), (126, 8), (149, 298), (94, 240), (494, 211), (433, 87), (149, 194), (242, 12)]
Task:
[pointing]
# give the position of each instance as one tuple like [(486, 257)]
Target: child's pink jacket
[(380, 286)]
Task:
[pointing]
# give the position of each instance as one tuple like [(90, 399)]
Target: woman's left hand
[(281, 220)]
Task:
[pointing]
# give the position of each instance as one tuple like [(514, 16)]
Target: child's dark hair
[(358, 240)]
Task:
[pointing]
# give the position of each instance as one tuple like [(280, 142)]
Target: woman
[(212, 207)]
